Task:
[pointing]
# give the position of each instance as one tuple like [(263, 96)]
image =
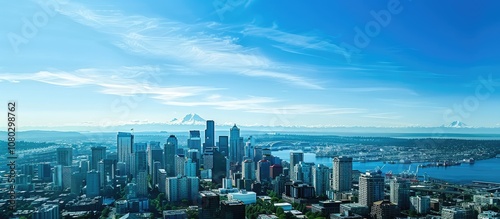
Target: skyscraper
[(124, 144), (179, 164), (248, 169), (295, 158), (142, 183), (189, 168), (57, 177), (140, 162), (169, 153), (194, 140), (155, 153), (181, 187), (303, 172), (263, 170), (64, 156), (209, 204), (224, 145), (98, 154), (371, 188), (342, 174), (92, 184), (320, 179), (421, 204), (400, 193), (234, 138), (210, 134)]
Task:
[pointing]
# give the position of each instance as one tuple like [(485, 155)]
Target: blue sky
[(251, 62)]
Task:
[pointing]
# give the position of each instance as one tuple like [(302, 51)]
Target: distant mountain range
[(457, 124), (189, 119)]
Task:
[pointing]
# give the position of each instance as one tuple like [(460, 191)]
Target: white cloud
[(187, 45)]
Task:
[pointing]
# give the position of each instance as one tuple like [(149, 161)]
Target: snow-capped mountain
[(189, 119), (457, 124)]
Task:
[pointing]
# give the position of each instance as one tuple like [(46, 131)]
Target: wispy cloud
[(188, 45), (295, 42), (389, 115), (377, 89)]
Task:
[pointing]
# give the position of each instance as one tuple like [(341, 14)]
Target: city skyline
[(107, 64)]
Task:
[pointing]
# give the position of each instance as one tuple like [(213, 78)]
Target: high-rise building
[(420, 204), (384, 209), (140, 162), (234, 139), (249, 151), (169, 153), (342, 174), (224, 145), (93, 182), (295, 158), (371, 188), (275, 170), (156, 166), (248, 169), (210, 134), (220, 168), (400, 193), (142, 183), (320, 174), (194, 140), (66, 176), (162, 176), (209, 205), (124, 144), (179, 164), (208, 158), (44, 172), (189, 168), (110, 165), (263, 169), (76, 183), (303, 172), (180, 188), (257, 154), (57, 177), (47, 212), (232, 209), (64, 156), (155, 153), (98, 154)]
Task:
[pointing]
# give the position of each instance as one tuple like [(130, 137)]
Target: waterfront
[(482, 170)]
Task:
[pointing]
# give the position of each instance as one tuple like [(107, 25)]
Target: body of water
[(482, 170)]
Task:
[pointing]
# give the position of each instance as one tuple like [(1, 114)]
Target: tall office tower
[(208, 158), (76, 183), (140, 162), (189, 168), (279, 184), (156, 166), (84, 168), (47, 212), (400, 193), (124, 144), (64, 156), (210, 134), (141, 146), (295, 158), (209, 204), (194, 140), (263, 170), (102, 174), (421, 204), (371, 188), (98, 153), (234, 138), (92, 184), (220, 167), (232, 209), (28, 169), (224, 145), (155, 153), (179, 164), (249, 151), (169, 152), (303, 172), (320, 174), (162, 175), (257, 154), (66, 176), (110, 165), (275, 170), (248, 169), (57, 177), (44, 172), (142, 183), (342, 174), (180, 188), (121, 168), (241, 150)]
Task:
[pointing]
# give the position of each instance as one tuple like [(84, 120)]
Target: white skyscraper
[(342, 174), (421, 204), (124, 146)]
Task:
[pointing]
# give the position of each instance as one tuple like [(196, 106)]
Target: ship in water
[(469, 161)]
